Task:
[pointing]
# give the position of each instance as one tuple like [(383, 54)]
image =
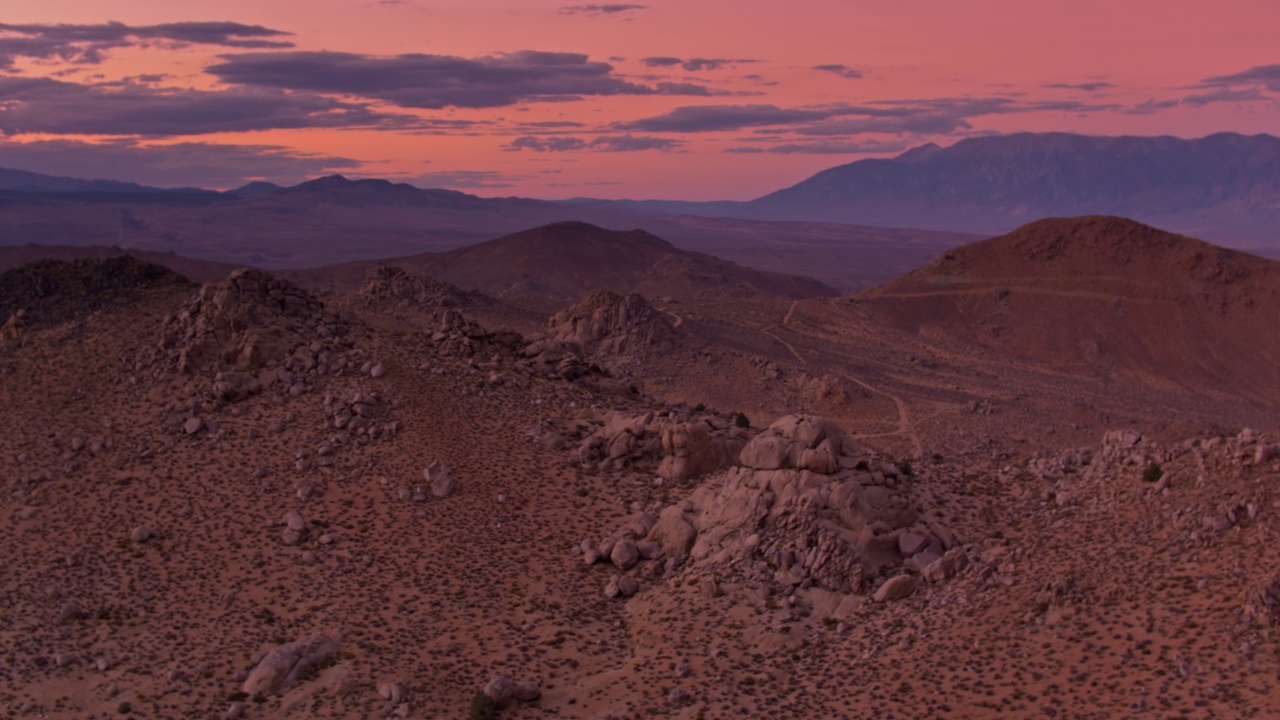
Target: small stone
[(627, 586), (294, 521)]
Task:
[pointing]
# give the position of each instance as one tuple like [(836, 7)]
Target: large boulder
[(803, 442), (285, 666), (690, 449)]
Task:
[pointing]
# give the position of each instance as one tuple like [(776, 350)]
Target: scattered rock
[(441, 480)]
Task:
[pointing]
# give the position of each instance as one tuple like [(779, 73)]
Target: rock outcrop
[(811, 505), (254, 331), (606, 323), (679, 444), (393, 284), (287, 665)]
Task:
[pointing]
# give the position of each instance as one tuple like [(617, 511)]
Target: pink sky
[(697, 99)]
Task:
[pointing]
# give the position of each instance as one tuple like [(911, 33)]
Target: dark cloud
[(1150, 106), (89, 43), (601, 10), (604, 143), (179, 165), (935, 116), (842, 70), (713, 118), (439, 81), (829, 147), (661, 61), (1225, 94), (1088, 87), (1267, 76), (551, 125), (694, 64), (44, 105)]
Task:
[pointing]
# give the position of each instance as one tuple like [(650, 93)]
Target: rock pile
[(460, 336), (604, 331), (254, 332), (808, 507), (362, 414), (605, 323), (393, 284), (678, 444)]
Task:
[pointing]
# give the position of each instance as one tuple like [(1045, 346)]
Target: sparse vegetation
[(1153, 473), (482, 707), (740, 420)]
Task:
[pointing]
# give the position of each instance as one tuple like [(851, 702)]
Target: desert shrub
[(700, 407), (1153, 472), (741, 420), (483, 707), (905, 468)]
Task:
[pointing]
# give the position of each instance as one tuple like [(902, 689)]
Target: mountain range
[(1225, 187), (852, 226)]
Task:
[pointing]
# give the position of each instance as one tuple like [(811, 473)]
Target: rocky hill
[(49, 292), (248, 500), (1105, 296), (548, 266)]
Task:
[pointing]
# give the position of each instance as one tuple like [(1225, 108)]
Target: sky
[(674, 99)]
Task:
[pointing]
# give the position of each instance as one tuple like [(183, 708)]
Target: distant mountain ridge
[(1224, 187), (32, 182), (992, 184)]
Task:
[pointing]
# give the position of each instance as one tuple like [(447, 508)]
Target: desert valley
[(649, 482)]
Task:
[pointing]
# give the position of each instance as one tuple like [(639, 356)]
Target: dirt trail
[(987, 290), (905, 426)]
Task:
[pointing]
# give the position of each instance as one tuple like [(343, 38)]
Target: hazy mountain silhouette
[(1224, 187)]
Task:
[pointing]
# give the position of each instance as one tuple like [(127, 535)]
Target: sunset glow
[(707, 99)]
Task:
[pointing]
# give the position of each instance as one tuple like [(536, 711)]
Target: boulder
[(947, 566), (624, 554), (501, 690), (690, 449), (286, 665), (804, 442), (896, 588), (673, 533), (528, 690)]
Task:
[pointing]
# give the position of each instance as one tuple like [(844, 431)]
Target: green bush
[(482, 707), (742, 421), (1153, 472)]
